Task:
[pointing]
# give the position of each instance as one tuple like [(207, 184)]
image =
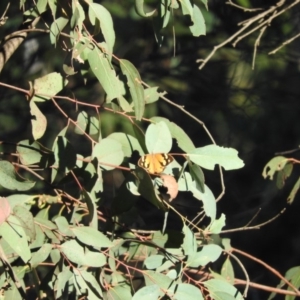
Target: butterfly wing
[(155, 163)]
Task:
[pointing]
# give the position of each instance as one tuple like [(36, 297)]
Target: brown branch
[(274, 271)]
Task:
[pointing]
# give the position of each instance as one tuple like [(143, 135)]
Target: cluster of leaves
[(70, 241)]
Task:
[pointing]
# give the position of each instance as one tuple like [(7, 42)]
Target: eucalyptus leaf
[(8, 178), (108, 153), (135, 87), (208, 156), (158, 138)]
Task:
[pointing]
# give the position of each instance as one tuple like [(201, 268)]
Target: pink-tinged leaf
[(4, 209), (171, 184)]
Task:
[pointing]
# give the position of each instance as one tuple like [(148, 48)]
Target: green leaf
[(78, 255), (105, 73), (91, 237), (62, 279), (56, 28), (294, 191), (220, 289), (38, 121), (198, 28), (158, 138), (216, 226), (227, 271), (48, 86), (186, 291), (27, 153), (189, 245), (147, 293), (78, 16), (151, 94), (87, 282), (185, 183), (14, 234), (139, 8), (274, 165), (128, 142), (21, 199), (135, 87), (53, 6), (86, 124), (210, 155), (146, 189), (98, 13), (209, 253), (119, 292), (283, 174), (40, 256), (8, 178), (198, 175), (65, 157), (154, 261), (163, 281), (183, 140), (63, 226), (26, 219), (108, 153)]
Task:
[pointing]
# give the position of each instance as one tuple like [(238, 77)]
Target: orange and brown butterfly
[(155, 163)]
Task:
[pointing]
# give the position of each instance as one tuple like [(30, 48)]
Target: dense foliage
[(96, 166)]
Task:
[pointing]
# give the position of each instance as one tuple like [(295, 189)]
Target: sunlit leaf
[(198, 28), (220, 289), (274, 165), (151, 94), (209, 253), (91, 237), (56, 28), (105, 73), (41, 255), (208, 156), (158, 138), (27, 153), (26, 219), (294, 191), (183, 140), (13, 233), (38, 121), (186, 291), (135, 87), (109, 153), (149, 292), (86, 123), (48, 86), (98, 13), (216, 226), (227, 271), (8, 178), (139, 7)]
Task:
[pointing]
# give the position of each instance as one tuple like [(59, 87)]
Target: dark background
[(254, 111)]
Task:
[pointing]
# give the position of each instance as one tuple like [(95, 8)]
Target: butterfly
[(155, 163)]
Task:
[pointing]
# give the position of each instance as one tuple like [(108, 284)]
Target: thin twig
[(256, 44), (265, 287), (243, 269), (253, 227), (268, 267), (284, 44), (245, 9)]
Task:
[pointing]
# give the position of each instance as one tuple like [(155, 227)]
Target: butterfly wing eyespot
[(155, 163)]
